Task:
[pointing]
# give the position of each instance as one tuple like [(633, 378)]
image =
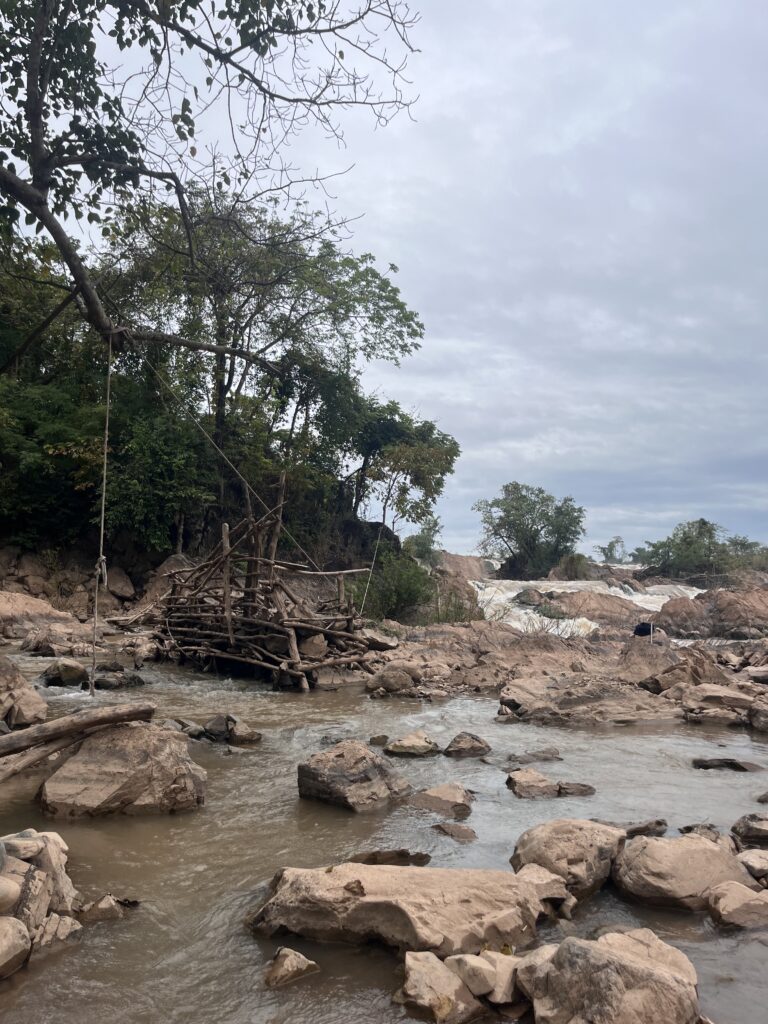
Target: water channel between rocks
[(184, 957)]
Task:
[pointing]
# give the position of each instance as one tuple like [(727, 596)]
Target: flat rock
[(535, 756), (286, 966), (129, 769), (434, 990), (580, 852), (734, 904), (675, 872), (461, 833), (415, 744), (451, 798), (622, 978), (752, 829), (351, 775), (529, 784), (466, 744), (445, 911)]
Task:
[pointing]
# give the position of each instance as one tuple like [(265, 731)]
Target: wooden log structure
[(244, 605)]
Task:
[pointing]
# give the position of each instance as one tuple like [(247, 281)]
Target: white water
[(497, 599)]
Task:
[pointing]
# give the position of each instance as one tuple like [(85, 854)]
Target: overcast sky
[(578, 211)]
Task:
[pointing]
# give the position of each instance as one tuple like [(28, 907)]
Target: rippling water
[(184, 957)]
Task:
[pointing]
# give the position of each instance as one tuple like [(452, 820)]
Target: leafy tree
[(700, 549), (529, 529), (423, 544), (83, 133), (614, 552)]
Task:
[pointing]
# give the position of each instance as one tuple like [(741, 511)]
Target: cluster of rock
[(732, 614), (466, 937), (109, 675), (699, 870), (39, 905), (222, 728)]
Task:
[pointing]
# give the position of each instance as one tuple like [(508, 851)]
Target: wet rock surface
[(438, 910), (351, 775), (134, 768), (581, 852)]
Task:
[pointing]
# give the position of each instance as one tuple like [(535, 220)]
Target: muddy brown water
[(184, 956)]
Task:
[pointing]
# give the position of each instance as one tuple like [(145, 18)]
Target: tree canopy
[(701, 550), (529, 529)]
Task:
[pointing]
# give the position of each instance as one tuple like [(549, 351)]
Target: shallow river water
[(184, 956)]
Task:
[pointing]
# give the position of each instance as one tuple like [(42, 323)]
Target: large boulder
[(15, 945), (580, 852), (676, 872), (622, 978), (351, 775), (440, 910), (19, 613), (132, 768), (119, 583), (65, 672), (20, 703), (437, 992), (734, 904)]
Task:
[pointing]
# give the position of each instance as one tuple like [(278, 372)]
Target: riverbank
[(185, 954)]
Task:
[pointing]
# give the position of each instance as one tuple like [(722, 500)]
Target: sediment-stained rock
[(133, 768), (287, 966), (466, 744), (580, 852), (20, 703), (437, 992), (451, 798), (415, 744), (734, 904), (622, 978), (676, 872), (444, 911), (351, 775)]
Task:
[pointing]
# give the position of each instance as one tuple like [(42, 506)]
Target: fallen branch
[(79, 722)]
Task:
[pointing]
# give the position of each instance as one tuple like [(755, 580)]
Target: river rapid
[(184, 956)]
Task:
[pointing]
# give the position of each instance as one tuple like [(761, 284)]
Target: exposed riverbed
[(184, 957)]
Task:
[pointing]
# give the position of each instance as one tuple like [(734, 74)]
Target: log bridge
[(240, 606)]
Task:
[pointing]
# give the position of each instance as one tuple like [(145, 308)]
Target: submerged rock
[(400, 858), (730, 764), (133, 768), (461, 833), (444, 911), (528, 784), (580, 852), (286, 966), (450, 798), (534, 756), (350, 775), (675, 872)]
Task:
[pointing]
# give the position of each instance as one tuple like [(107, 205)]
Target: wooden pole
[(226, 582)]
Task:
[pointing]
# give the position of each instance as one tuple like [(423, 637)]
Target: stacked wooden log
[(241, 606), (25, 748)]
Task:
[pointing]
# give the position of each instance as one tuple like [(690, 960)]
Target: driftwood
[(73, 725), (238, 607)]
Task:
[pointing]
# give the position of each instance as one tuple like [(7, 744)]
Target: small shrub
[(574, 567), (398, 586)]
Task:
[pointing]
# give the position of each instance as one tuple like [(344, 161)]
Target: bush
[(574, 567), (398, 586)]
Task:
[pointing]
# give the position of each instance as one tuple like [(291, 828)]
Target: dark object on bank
[(643, 629)]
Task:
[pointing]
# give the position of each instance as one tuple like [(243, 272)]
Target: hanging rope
[(370, 573), (101, 564)]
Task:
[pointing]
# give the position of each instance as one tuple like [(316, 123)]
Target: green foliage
[(551, 611), (398, 586), (614, 552), (699, 548), (529, 529), (574, 566), (423, 545)]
